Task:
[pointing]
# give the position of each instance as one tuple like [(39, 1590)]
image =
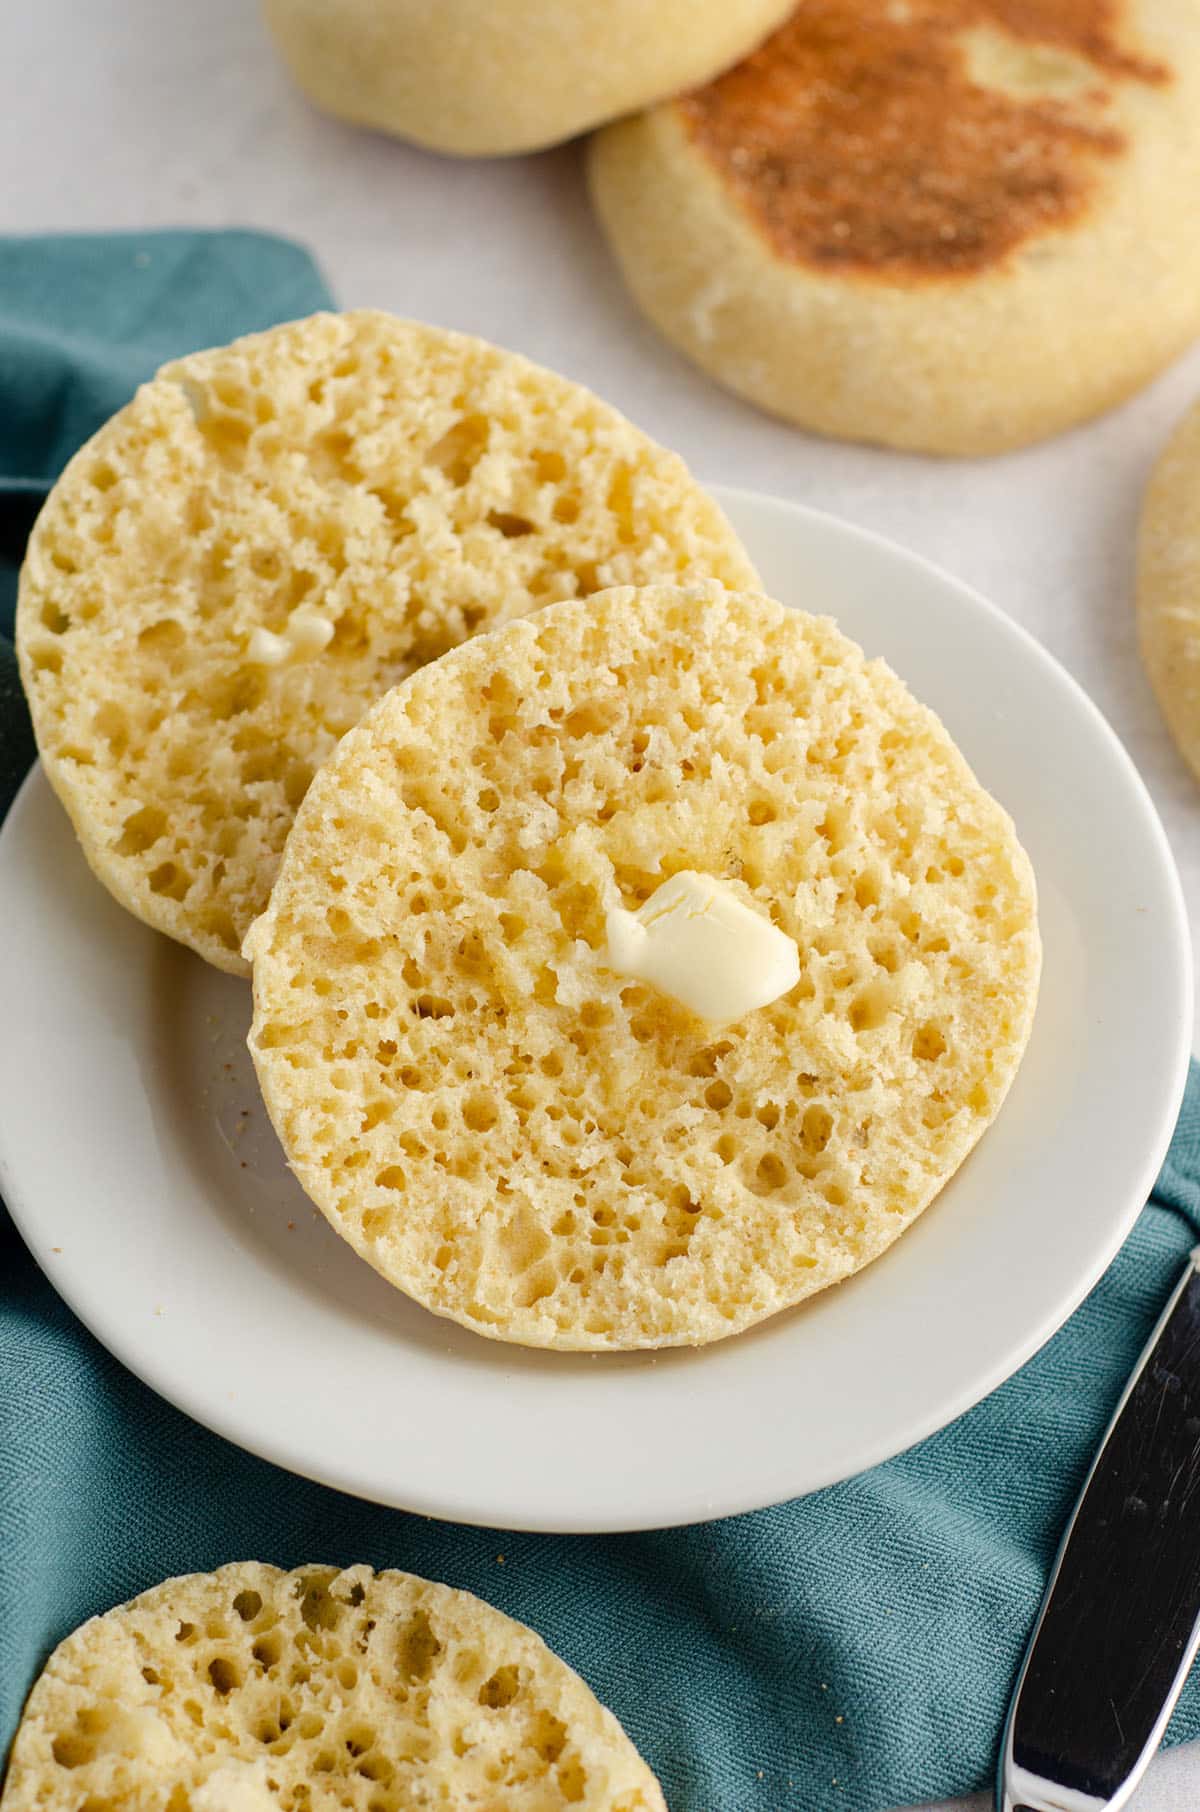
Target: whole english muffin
[(948, 225), (273, 533), (250, 1689), (1168, 593), (481, 77), (547, 1151)]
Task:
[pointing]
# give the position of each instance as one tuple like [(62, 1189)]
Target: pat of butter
[(138, 1730), (234, 1788), (697, 941), (307, 634)]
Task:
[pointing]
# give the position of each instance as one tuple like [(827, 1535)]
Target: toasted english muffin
[(949, 225), (273, 533), (519, 1135), (254, 1690)]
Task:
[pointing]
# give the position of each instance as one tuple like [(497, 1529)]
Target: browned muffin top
[(920, 138)]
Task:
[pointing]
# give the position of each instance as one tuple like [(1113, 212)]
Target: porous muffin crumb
[(553, 1153), (250, 1689), (273, 533)]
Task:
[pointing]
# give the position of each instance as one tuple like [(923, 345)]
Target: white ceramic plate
[(138, 1162)]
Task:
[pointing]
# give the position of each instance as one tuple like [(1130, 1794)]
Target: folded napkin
[(853, 1650)]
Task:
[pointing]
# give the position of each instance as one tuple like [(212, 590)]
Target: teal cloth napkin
[(852, 1650)]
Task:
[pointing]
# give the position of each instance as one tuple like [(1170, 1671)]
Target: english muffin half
[(273, 533), (253, 1690), (566, 1105)]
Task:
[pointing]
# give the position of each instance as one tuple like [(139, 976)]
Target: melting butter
[(138, 1730), (308, 633), (237, 1787), (697, 941)]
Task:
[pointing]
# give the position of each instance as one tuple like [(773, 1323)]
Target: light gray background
[(136, 113)]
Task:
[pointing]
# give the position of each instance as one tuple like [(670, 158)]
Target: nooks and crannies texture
[(554, 1154), (254, 1690), (383, 488)]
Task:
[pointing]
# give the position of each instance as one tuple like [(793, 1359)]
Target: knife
[(1120, 1623)]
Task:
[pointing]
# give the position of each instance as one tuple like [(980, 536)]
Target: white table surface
[(135, 113)]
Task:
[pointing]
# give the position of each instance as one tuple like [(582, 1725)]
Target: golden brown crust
[(860, 137)]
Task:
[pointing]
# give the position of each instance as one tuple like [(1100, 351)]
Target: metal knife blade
[(1120, 1623)]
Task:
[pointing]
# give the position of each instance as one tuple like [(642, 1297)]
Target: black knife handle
[(1120, 1623)]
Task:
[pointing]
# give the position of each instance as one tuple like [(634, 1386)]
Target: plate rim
[(728, 1499)]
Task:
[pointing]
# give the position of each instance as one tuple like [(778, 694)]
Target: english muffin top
[(911, 139)]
